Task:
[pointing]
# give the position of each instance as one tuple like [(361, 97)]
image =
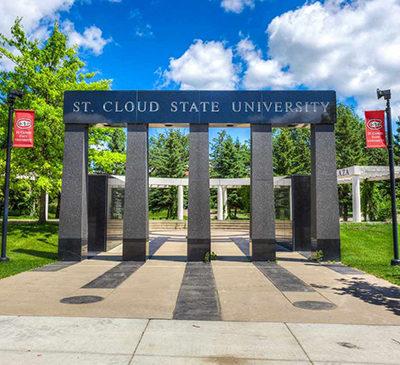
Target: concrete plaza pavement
[(66, 340), (292, 311)]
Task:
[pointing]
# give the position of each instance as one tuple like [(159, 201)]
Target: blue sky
[(135, 53), (145, 34), (350, 46)]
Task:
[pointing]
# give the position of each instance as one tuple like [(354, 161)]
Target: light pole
[(12, 96), (386, 94)]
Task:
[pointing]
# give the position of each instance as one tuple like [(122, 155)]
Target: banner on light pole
[(375, 129), (24, 128)]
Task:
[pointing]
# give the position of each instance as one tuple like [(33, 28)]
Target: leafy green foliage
[(168, 157), (43, 71), (231, 159)]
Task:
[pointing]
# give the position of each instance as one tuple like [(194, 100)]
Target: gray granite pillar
[(136, 211), (262, 216), (301, 212), (73, 225), (324, 192), (199, 233), (97, 212)]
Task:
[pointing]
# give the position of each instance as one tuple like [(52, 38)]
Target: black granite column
[(199, 234), (324, 192), (262, 218), (136, 211), (73, 225), (301, 212), (97, 212)]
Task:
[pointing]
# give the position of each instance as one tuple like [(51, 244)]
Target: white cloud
[(262, 73), (91, 38), (236, 6), (352, 47), (31, 11), (37, 19), (204, 65)]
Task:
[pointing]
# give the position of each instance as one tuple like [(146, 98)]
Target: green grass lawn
[(368, 247), (29, 246)]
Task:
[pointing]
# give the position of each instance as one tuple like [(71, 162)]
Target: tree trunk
[(58, 206), (345, 212), (42, 207)]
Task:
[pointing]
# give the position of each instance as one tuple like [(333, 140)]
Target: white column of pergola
[(355, 174), (350, 175), (222, 186)]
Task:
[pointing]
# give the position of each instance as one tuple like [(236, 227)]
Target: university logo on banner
[(24, 128), (375, 129)]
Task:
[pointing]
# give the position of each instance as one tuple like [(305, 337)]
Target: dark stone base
[(302, 246), (330, 249), (134, 249), (197, 248), (72, 249), (263, 249)]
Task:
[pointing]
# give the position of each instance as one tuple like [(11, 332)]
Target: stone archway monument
[(137, 110)]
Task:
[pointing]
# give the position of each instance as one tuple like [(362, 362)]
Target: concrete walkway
[(229, 289), (61, 340), (168, 311)]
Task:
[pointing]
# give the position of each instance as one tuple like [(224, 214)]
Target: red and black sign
[(375, 129), (24, 128)]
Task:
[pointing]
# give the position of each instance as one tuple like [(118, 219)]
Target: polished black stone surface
[(197, 248), (281, 278), (198, 296), (325, 232), (72, 249), (97, 212), (301, 212), (197, 107), (134, 249), (114, 277), (263, 249)]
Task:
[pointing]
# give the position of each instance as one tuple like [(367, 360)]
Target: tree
[(168, 157), (43, 71), (107, 151), (231, 159)]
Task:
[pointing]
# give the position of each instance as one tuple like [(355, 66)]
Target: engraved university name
[(204, 106)]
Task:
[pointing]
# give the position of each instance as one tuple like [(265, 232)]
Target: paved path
[(229, 289), (66, 340), (167, 311)]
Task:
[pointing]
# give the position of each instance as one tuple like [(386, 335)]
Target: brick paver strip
[(198, 296), (282, 278)]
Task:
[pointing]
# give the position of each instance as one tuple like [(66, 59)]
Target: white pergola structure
[(349, 175), (355, 174), (222, 186)]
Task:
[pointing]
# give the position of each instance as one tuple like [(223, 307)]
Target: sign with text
[(199, 107), (375, 129), (23, 128)]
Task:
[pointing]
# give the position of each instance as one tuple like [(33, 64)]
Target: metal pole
[(386, 94), (4, 257)]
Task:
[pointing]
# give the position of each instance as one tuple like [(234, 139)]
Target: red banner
[(23, 128), (375, 129)]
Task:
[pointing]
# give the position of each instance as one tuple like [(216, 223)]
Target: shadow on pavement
[(388, 297)]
